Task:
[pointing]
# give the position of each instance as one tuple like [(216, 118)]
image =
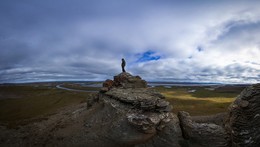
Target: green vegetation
[(225, 91), (203, 101), (31, 102), (79, 87), (25, 102)]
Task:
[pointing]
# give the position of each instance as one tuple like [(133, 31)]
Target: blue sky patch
[(148, 56), (200, 49)]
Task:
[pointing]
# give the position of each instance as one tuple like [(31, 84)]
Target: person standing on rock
[(123, 64)]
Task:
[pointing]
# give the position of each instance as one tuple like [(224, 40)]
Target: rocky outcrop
[(142, 117), (239, 127), (123, 80), (243, 122), (132, 115), (124, 124), (141, 98)]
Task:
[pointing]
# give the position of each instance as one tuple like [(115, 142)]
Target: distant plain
[(25, 103)]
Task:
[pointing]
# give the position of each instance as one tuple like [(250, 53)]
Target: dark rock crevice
[(201, 134)]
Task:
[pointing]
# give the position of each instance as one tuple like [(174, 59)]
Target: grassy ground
[(202, 101), (25, 102), (79, 87), (21, 102)]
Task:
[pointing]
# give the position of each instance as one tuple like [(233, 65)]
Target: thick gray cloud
[(201, 41)]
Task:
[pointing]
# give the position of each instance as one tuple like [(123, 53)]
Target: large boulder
[(126, 80), (123, 80), (108, 83), (132, 117), (243, 122), (201, 134)]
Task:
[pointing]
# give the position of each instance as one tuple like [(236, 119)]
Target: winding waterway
[(76, 90)]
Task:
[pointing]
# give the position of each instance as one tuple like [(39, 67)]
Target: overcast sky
[(161, 40)]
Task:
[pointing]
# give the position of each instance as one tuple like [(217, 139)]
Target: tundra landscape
[(130, 73), (59, 113), (25, 103)]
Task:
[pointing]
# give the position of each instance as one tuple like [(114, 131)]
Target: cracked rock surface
[(140, 115), (244, 118)]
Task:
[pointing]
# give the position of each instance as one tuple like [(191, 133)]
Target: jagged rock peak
[(124, 80), (139, 111), (132, 90)]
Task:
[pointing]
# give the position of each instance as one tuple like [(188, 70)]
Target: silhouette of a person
[(123, 64)]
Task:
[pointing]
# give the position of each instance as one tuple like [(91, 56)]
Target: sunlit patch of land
[(200, 100)]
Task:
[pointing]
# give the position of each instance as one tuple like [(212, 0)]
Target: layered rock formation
[(124, 80), (241, 125), (140, 116), (243, 122), (134, 115)]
